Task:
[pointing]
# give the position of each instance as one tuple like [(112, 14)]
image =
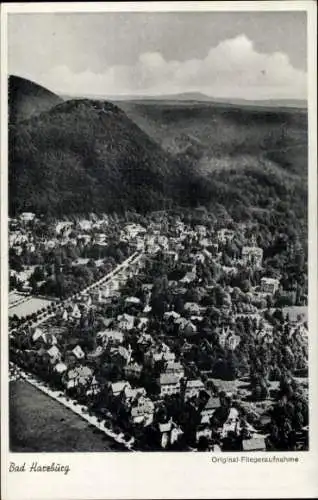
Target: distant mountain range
[(83, 155), (200, 97)]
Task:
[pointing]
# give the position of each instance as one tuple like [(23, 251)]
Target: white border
[(165, 475)]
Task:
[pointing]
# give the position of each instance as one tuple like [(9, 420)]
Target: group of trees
[(289, 417)]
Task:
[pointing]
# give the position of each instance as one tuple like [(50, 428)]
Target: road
[(131, 262)]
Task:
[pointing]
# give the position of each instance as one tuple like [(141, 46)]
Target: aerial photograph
[(158, 232)]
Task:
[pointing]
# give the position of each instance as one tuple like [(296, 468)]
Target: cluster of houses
[(78, 368)]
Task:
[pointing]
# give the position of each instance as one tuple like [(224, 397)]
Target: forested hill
[(85, 155), (28, 99), (89, 155)]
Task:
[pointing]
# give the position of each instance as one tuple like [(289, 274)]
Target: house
[(70, 379), (27, 216), (78, 352), (225, 333), (269, 285), (196, 319), (143, 411), (193, 308), (76, 313), (266, 330), (60, 367), (193, 387), (81, 375), (126, 322), (233, 341), (256, 443), (132, 301), (85, 225), (203, 430), (50, 339), (169, 433), (54, 354), (168, 356), (84, 374), (252, 255), (186, 327), (122, 354), (169, 384), (107, 322), (232, 424), (114, 337), (96, 353), (133, 370), (131, 395), (100, 295), (94, 387), (156, 354), (65, 315), (62, 226), (118, 387), (210, 408), (171, 314), (189, 277), (38, 334), (140, 243), (85, 299), (186, 347), (132, 230), (100, 238), (145, 339), (175, 368)]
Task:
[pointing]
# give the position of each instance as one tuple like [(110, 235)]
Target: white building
[(169, 384), (269, 285), (193, 387), (27, 216), (252, 255)]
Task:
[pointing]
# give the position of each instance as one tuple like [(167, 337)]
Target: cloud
[(231, 69)]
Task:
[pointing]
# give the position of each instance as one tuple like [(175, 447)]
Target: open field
[(15, 298), (29, 306), (40, 424)]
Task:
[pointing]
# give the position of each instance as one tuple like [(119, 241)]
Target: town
[(176, 330)]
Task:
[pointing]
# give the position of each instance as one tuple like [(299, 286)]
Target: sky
[(247, 55)]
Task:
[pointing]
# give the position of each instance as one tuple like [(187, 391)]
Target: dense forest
[(86, 155)]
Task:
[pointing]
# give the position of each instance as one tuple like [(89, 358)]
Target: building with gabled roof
[(169, 384), (78, 352), (54, 354), (133, 370), (118, 387), (142, 411), (174, 368), (193, 388), (112, 336)]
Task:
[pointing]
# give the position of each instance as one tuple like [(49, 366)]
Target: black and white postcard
[(159, 250)]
